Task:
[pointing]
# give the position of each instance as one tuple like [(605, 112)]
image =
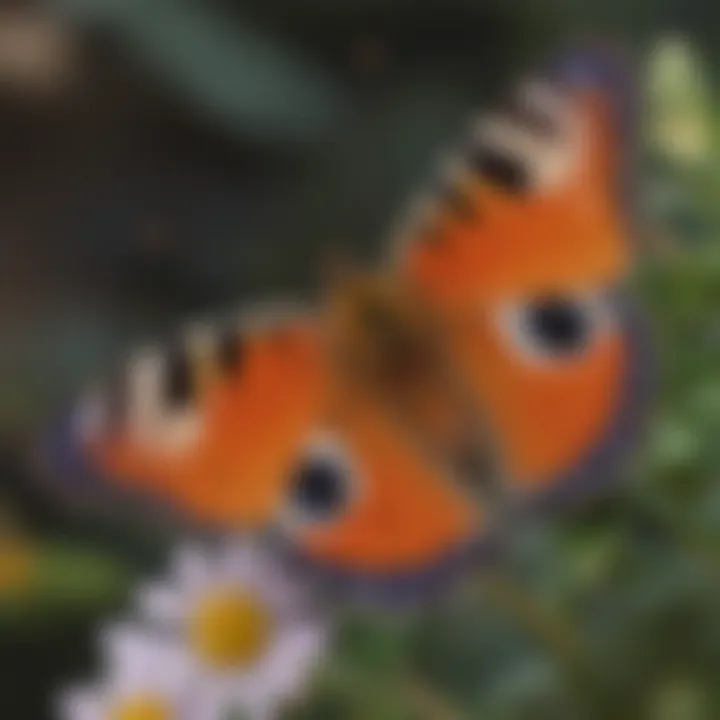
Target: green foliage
[(234, 74), (64, 580)]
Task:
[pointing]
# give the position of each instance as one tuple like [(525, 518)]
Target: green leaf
[(66, 579), (236, 75), (680, 699)]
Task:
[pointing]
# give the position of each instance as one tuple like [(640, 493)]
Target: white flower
[(145, 679), (242, 624)]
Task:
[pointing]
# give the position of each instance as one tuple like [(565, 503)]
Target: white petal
[(140, 661), (292, 660), (247, 565), (213, 699), (161, 602), (287, 597), (248, 695), (240, 560), (265, 712), (127, 651), (192, 567), (84, 703), (208, 707), (175, 668)]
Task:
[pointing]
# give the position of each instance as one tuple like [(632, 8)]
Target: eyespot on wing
[(398, 522), (565, 421)]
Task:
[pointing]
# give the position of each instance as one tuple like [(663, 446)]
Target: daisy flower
[(242, 624), (145, 679)]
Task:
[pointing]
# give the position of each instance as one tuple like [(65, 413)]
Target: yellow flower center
[(230, 629), (145, 707)]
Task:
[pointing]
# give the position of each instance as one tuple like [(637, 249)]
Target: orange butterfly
[(495, 358)]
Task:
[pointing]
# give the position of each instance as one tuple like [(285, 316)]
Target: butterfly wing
[(368, 512), (565, 382), (207, 423), (521, 248), (530, 200), (522, 230), (252, 428)]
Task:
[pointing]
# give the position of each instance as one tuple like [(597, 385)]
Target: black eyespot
[(561, 325), (500, 169), (555, 328), (320, 487), (179, 387)]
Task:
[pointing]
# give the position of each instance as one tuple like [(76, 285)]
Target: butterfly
[(495, 360)]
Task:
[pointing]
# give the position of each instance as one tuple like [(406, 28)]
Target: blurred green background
[(162, 158)]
